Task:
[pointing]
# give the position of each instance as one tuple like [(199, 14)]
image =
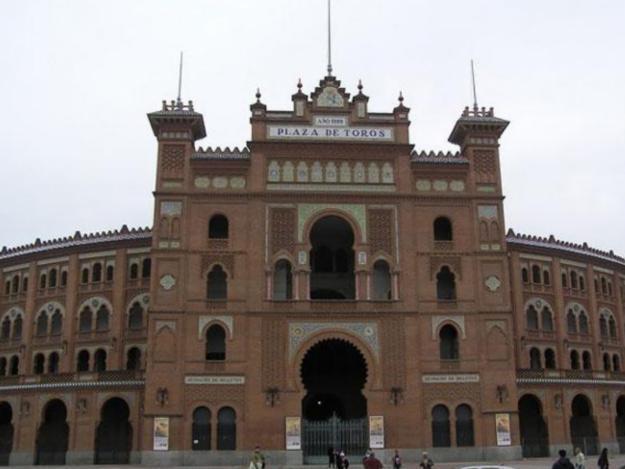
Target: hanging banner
[(376, 432), (502, 426), (161, 433), (293, 433)]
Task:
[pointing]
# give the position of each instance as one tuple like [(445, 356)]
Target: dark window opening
[(38, 364), (445, 284), (449, 345), (226, 429), (110, 273), (218, 227), (441, 434), (382, 281), (464, 426), (135, 316), (215, 343), (217, 284), (442, 229), (282, 280), (535, 359), (96, 273), (99, 360), (550, 359), (133, 359), (82, 361), (575, 360), (146, 268), (536, 274)]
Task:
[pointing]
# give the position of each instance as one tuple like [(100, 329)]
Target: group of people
[(337, 459), (564, 462)]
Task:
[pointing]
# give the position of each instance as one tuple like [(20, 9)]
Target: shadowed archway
[(53, 435), (113, 441), (6, 433)]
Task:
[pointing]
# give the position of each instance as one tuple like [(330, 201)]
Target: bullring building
[(326, 285)]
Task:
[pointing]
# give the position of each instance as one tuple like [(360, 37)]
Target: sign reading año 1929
[(375, 134)]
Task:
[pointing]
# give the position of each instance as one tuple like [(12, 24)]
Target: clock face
[(330, 97)]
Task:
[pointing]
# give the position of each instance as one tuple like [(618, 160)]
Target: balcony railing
[(70, 378), (564, 375)]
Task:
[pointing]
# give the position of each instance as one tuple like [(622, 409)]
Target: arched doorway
[(332, 260), (6, 433), (583, 426), (53, 435), (534, 432), (334, 409), (620, 423), (113, 441)]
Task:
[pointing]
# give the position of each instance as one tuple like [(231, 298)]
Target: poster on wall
[(293, 433), (502, 426), (376, 432), (161, 433)]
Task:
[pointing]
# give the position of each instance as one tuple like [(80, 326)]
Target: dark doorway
[(332, 260), (584, 433), (201, 429), (227, 429), (620, 423), (534, 433), (334, 409), (113, 441), (53, 435), (6, 433)]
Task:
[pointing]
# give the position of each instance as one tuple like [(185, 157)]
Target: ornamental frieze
[(299, 332)]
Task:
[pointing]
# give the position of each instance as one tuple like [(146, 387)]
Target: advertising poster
[(502, 426), (376, 432), (161, 433), (293, 433)]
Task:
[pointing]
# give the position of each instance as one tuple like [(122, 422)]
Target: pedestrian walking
[(396, 460), (603, 462), (339, 460), (372, 462), (331, 458), (426, 461), (258, 459), (580, 459), (562, 462)]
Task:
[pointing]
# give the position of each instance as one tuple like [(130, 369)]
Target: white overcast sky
[(78, 77)]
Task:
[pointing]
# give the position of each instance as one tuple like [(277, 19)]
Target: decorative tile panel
[(299, 332)]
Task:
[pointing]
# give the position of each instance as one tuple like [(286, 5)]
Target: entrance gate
[(349, 436)]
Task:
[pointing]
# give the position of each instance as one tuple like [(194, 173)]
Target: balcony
[(74, 379), (545, 376)]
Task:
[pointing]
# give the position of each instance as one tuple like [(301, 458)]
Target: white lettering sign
[(329, 121), (214, 380), (463, 378), (308, 132)]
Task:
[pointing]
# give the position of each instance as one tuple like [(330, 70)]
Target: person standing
[(580, 459), (396, 460), (426, 461), (562, 462), (331, 458), (372, 462), (603, 462), (258, 459)]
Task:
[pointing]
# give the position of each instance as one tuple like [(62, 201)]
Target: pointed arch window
[(547, 320), (574, 280), (215, 343), (99, 360), (449, 345), (17, 327), (134, 271), (85, 320), (56, 323), (96, 273), (612, 327), (587, 361), (532, 318), (42, 324), (43, 281), (53, 363), (102, 319), (201, 429), (536, 274), (63, 278), (110, 273), (135, 316), (571, 322), (583, 323), (282, 280), (550, 359), (603, 326), (535, 359), (464, 426), (575, 365), (52, 280), (84, 276), (14, 365), (146, 268), (226, 429), (5, 333), (607, 362), (564, 280), (524, 275), (441, 435), (15, 284), (133, 359), (445, 284), (82, 361), (217, 284), (39, 364)]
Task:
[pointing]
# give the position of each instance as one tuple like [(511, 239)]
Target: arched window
[(535, 359), (102, 319), (56, 323), (215, 343), (442, 229), (7, 287), (217, 284), (616, 363), (441, 435), (604, 286), (135, 316), (612, 327), (39, 364), (96, 272), (85, 320), (587, 361), (603, 326), (550, 359), (110, 273), (82, 361), (610, 288), (547, 320), (449, 346), (524, 275), (464, 426), (582, 285), (17, 328), (218, 227), (84, 276), (99, 360), (282, 280), (52, 279), (575, 360), (536, 274), (445, 284), (42, 324), (226, 429), (381, 281), (201, 429), (133, 359), (14, 365), (134, 271), (574, 280), (3, 366), (5, 332), (53, 363), (564, 280), (64, 278), (532, 318), (546, 277), (146, 268), (571, 322), (42, 281), (24, 284), (583, 323), (607, 362), (15, 284)]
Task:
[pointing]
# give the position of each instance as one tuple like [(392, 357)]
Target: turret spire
[(473, 82), (179, 99), (329, 38)]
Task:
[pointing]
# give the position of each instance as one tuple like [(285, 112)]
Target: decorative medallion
[(168, 281), (492, 283), (202, 182)]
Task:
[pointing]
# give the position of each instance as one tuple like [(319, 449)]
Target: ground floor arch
[(334, 408), (113, 441), (53, 435), (583, 426), (533, 427), (6, 432), (620, 423)]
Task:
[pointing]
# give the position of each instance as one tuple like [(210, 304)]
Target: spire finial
[(401, 97), (258, 95), (473, 82), (360, 85), (179, 100), (329, 38), (299, 84)]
